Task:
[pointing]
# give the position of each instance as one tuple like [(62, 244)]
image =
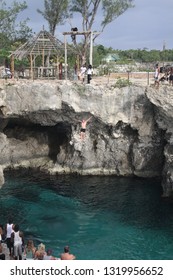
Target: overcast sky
[(148, 25)]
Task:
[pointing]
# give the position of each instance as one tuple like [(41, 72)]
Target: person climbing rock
[(83, 128)]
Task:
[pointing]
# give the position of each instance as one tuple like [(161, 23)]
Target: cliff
[(130, 132)]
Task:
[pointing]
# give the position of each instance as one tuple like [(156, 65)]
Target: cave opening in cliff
[(22, 129), (58, 136), (52, 136)]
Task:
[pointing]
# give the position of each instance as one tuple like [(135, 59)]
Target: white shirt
[(156, 73), (83, 70), (9, 230), (89, 71), (17, 238)]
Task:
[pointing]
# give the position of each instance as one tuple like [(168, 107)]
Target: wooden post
[(31, 67), (85, 33), (65, 44), (91, 48), (43, 58), (60, 71), (128, 75), (77, 61), (57, 67), (12, 66), (148, 78), (77, 67)]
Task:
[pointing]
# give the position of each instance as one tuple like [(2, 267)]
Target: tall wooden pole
[(57, 67), (31, 66), (78, 64), (65, 44), (12, 66), (91, 48), (43, 58)]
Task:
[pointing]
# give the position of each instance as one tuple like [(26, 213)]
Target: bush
[(120, 83)]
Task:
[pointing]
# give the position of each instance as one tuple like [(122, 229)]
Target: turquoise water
[(98, 217)]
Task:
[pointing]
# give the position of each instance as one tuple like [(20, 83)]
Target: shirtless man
[(66, 255), (83, 128)]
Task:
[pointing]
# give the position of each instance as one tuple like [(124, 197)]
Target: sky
[(148, 25)]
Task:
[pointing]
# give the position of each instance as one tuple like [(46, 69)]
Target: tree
[(101, 50), (10, 30), (55, 12), (111, 9)]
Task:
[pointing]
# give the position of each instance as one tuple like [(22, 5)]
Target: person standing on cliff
[(82, 73), (83, 128), (171, 77), (156, 76), (89, 73)]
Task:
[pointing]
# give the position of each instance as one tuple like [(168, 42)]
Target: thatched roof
[(41, 44)]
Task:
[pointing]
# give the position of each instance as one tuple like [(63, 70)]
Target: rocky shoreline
[(130, 133)]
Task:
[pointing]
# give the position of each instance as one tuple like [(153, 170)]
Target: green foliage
[(88, 10), (3, 57), (9, 29), (12, 34), (21, 64), (4, 41), (55, 12), (24, 32), (101, 50), (120, 83), (131, 56), (98, 53), (113, 9), (145, 55)]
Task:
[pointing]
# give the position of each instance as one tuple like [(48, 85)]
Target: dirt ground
[(143, 79), (136, 78)]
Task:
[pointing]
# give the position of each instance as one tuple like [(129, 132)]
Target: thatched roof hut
[(45, 46)]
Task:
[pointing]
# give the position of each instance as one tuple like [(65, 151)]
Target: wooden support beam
[(76, 33)]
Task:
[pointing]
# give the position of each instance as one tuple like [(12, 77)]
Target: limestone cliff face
[(130, 132), (163, 108)]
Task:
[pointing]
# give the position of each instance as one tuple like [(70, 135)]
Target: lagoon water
[(100, 218)]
